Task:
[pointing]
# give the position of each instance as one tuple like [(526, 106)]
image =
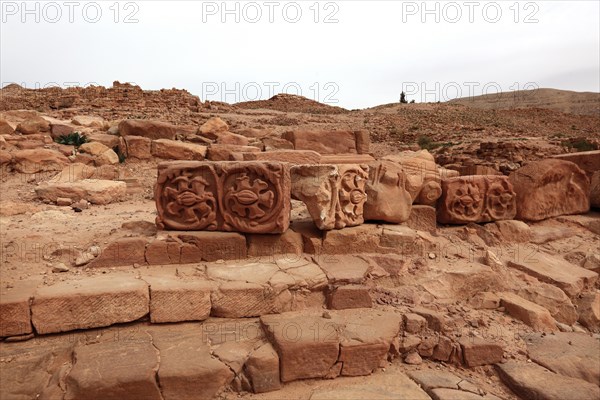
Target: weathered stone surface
[(262, 368), (387, 199), (422, 218), (401, 239), (530, 381), (589, 311), (423, 177), (553, 299), (33, 126), (476, 198), (176, 150), (530, 313), (121, 252), (212, 127), (444, 385), (210, 246), (5, 128), (89, 121), (414, 323), (187, 369), (362, 159), (148, 129), (114, 370), (89, 303), (568, 354), (550, 188), (35, 370), (378, 387), (176, 300), (138, 147), (267, 247), (229, 196), (349, 296), (109, 141), (240, 299), (329, 142), (96, 191), (589, 161), (334, 194), (229, 152), (32, 161), (15, 314), (364, 238), (514, 231), (291, 156), (595, 190), (557, 271), (344, 269), (435, 319), (366, 338), (478, 351), (308, 345)]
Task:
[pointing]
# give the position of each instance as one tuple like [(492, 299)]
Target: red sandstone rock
[(387, 198), (148, 129), (550, 188), (349, 296), (329, 142), (476, 198), (262, 368), (229, 196), (176, 150), (480, 352)]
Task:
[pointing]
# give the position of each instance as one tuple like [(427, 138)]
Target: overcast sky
[(355, 54)]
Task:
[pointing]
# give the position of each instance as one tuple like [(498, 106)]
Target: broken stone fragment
[(387, 198), (550, 188), (334, 194)]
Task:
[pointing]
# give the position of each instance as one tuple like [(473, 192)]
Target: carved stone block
[(387, 198), (334, 194), (476, 198), (251, 197), (550, 188)]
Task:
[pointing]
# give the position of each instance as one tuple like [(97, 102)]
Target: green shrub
[(72, 139)]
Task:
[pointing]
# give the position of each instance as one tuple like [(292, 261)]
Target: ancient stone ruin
[(193, 258)]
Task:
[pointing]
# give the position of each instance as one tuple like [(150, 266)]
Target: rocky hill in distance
[(581, 103)]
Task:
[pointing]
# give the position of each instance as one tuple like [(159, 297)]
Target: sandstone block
[(480, 352), (176, 150), (138, 147), (328, 142), (349, 296), (262, 368), (122, 252), (228, 196), (114, 370), (187, 369), (532, 381), (387, 198), (89, 303), (557, 271), (229, 152), (422, 218), (530, 313), (96, 191), (174, 300), (32, 161), (15, 314), (476, 198), (550, 188), (290, 156), (148, 129)]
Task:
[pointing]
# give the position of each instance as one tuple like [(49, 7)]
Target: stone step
[(197, 360), (557, 271), (531, 381), (444, 385)]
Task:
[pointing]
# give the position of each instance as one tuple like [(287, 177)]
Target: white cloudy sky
[(365, 54)]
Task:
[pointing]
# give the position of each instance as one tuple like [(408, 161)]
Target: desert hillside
[(581, 103)]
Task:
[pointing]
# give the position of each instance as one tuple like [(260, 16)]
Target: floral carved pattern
[(351, 196), (228, 196), (476, 198)]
